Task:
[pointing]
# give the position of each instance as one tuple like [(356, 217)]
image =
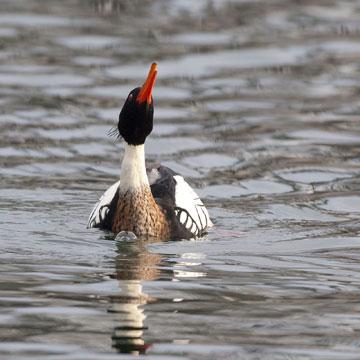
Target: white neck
[(133, 171)]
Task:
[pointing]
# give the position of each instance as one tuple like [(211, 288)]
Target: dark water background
[(257, 104)]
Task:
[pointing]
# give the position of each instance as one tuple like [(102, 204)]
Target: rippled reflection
[(134, 263)]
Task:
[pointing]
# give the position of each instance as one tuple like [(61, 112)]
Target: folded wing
[(104, 209), (189, 209)]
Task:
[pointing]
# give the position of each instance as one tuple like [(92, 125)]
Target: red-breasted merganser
[(153, 201)]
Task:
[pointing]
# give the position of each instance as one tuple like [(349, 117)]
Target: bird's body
[(154, 201)]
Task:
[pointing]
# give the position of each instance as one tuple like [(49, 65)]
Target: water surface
[(256, 103)]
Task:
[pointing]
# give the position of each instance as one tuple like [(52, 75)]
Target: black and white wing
[(189, 209), (170, 190), (103, 211)]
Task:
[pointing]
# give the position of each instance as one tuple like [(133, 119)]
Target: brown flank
[(138, 212)]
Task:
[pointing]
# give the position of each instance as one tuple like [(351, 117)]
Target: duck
[(152, 201)]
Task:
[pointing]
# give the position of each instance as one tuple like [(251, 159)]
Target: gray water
[(257, 105)]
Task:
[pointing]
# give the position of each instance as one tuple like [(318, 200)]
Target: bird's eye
[(130, 97)]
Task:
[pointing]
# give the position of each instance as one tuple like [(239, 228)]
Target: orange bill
[(146, 90)]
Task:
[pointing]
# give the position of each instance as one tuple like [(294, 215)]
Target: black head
[(135, 120), (136, 116)]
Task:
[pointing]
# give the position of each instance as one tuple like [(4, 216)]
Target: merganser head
[(136, 116)]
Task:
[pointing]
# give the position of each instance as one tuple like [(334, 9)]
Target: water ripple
[(256, 104)]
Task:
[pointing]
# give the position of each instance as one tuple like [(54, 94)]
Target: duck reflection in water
[(134, 263)]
